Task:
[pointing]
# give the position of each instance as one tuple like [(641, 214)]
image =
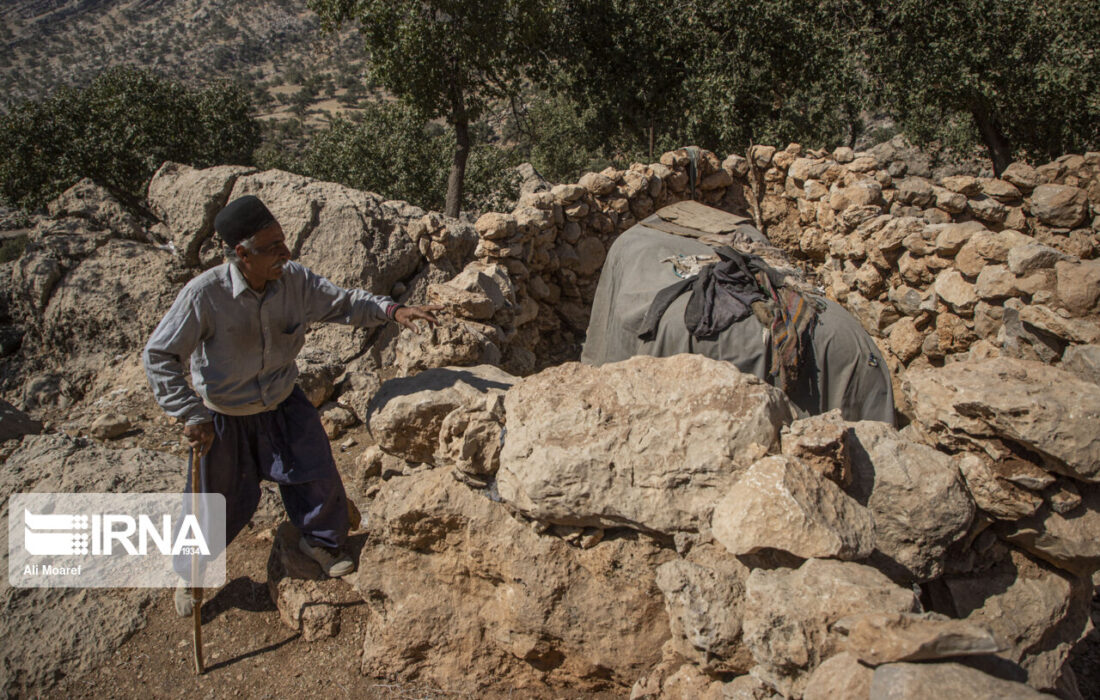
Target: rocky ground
[(655, 528)]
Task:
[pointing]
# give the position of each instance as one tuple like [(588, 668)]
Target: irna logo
[(107, 534)]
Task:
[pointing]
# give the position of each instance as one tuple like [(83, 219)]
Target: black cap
[(242, 218)]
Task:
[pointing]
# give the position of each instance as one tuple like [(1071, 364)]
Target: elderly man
[(242, 325)]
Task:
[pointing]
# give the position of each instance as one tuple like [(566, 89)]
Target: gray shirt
[(241, 343)]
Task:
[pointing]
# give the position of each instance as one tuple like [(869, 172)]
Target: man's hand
[(200, 436), (407, 314)]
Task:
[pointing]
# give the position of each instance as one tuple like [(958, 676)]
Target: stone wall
[(932, 267)]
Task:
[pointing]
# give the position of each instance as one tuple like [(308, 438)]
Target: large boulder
[(463, 595), (789, 615), (87, 200), (1037, 612), (84, 298), (352, 238), (1004, 400), (187, 199), (649, 443), (704, 596), (781, 503), (916, 495), (1070, 541), (407, 415)]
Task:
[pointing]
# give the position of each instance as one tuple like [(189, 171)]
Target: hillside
[(274, 45)]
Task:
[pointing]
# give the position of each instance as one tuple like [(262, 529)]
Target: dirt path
[(249, 652)]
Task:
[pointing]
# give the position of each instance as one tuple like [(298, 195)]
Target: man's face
[(271, 253)]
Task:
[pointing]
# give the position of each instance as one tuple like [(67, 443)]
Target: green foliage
[(395, 151), (559, 138), (446, 59), (117, 132), (1028, 71), (716, 75), (392, 150)]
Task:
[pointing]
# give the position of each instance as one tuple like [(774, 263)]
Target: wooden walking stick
[(196, 590)]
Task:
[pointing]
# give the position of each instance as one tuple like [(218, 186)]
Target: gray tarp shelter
[(846, 370)]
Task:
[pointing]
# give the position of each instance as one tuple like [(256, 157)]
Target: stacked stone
[(743, 552), (930, 267), (554, 243)]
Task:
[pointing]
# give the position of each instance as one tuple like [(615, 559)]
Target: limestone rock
[(860, 194), (904, 681), (955, 291), (599, 446), (996, 282), (917, 498), (840, 676), (1022, 175), (916, 191), (780, 503), (487, 280), (1009, 399), (462, 342), (882, 638), (87, 200), (1079, 286), (462, 594), (1036, 611), (963, 184), (988, 209), (999, 497), (789, 615), (905, 339), (110, 426), (407, 414), (493, 226), (308, 601), (704, 603), (911, 302), (1001, 190), (102, 304), (187, 199), (1062, 206), (317, 372), (1083, 361), (985, 247), (1063, 496), (470, 437), (597, 183), (467, 304), (336, 419), (1033, 256), (1066, 330), (821, 443), (1070, 542), (86, 626), (1022, 341)]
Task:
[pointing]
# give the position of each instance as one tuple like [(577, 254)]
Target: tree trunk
[(462, 152), (1000, 152)]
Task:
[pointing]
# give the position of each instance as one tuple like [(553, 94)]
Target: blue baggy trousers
[(286, 445)]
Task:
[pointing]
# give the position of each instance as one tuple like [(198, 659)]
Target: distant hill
[(273, 46)]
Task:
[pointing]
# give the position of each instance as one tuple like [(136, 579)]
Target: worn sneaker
[(184, 602), (334, 562)]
